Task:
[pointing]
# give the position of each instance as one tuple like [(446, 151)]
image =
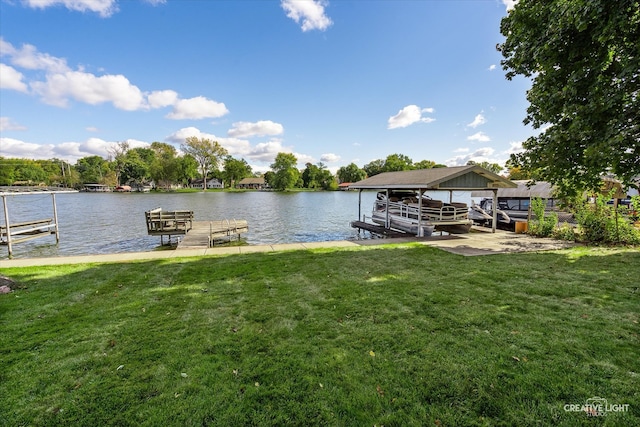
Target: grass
[(394, 335)]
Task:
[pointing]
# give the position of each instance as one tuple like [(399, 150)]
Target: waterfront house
[(252, 184), (211, 183)]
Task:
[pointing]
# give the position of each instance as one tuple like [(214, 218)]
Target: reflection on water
[(114, 222)]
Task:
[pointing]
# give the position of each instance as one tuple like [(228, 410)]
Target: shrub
[(543, 225), (601, 223)]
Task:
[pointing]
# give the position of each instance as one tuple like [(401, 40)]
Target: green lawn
[(393, 335)]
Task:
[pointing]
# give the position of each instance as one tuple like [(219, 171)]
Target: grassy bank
[(392, 335)]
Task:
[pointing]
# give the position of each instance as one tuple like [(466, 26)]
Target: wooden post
[(55, 217), (495, 210), (6, 223), (359, 203), (420, 231)]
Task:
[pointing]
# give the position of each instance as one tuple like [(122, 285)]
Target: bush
[(543, 225), (565, 232), (601, 223)]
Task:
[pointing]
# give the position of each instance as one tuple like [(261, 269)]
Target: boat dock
[(197, 234), (205, 234)]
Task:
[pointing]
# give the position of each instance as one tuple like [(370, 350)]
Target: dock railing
[(168, 223)]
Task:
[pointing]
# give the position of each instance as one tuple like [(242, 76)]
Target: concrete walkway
[(472, 244)]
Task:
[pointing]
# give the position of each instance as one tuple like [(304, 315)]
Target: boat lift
[(11, 234)]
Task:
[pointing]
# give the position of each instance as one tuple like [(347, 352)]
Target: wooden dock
[(205, 234), (378, 229)]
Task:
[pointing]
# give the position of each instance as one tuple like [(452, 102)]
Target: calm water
[(101, 223)]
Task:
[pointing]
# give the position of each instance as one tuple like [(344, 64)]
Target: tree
[(584, 61), (235, 170), (374, 167), (351, 173), (118, 152), (493, 167), (93, 169), (397, 162), (285, 174), (317, 176), (206, 152), (424, 164)]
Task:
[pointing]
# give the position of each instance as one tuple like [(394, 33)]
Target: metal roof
[(459, 178), (539, 189)]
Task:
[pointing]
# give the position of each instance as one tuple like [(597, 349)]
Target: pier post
[(55, 217), (6, 223)]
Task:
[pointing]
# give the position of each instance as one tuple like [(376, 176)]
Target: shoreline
[(471, 244)]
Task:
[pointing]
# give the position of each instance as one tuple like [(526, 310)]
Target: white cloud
[(162, 98), (14, 148), (235, 146), (409, 115), (260, 128), (62, 84), (266, 152), (515, 148), (69, 151), (91, 129), (197, 108), (510, 4), (12, 79), (104, 8), (29, 58), (477, 121), (90, 89), (329, 158), (492, 67), (479, 136), (310, 12), (480, 155), (7, 124)]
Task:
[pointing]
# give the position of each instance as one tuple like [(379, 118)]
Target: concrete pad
[(256, 248), (229, 250), (334, 244), (288, 246)]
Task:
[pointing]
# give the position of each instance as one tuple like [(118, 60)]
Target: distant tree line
[(162, 165)]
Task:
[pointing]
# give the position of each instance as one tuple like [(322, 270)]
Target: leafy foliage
[(206, 152), (584, 61), (351, 173), (543, 224), (285, 175), (603, 223)]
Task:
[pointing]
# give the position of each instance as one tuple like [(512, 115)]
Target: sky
[(331, 81)]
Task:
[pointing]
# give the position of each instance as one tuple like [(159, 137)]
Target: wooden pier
[(197, 234), (205, 234)]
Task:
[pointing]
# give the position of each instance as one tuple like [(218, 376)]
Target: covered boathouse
[(457, 178)]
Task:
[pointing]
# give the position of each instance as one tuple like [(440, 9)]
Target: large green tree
[(207, 153), (584, 61), (351, 173), (285, 174), (235, 170), (94, 169)]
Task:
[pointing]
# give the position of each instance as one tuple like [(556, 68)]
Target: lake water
[(100, 223)]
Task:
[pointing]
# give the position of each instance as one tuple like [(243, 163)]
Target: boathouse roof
[(525, 189), (458, 178)]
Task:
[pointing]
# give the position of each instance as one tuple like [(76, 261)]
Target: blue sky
[(336, 81)]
